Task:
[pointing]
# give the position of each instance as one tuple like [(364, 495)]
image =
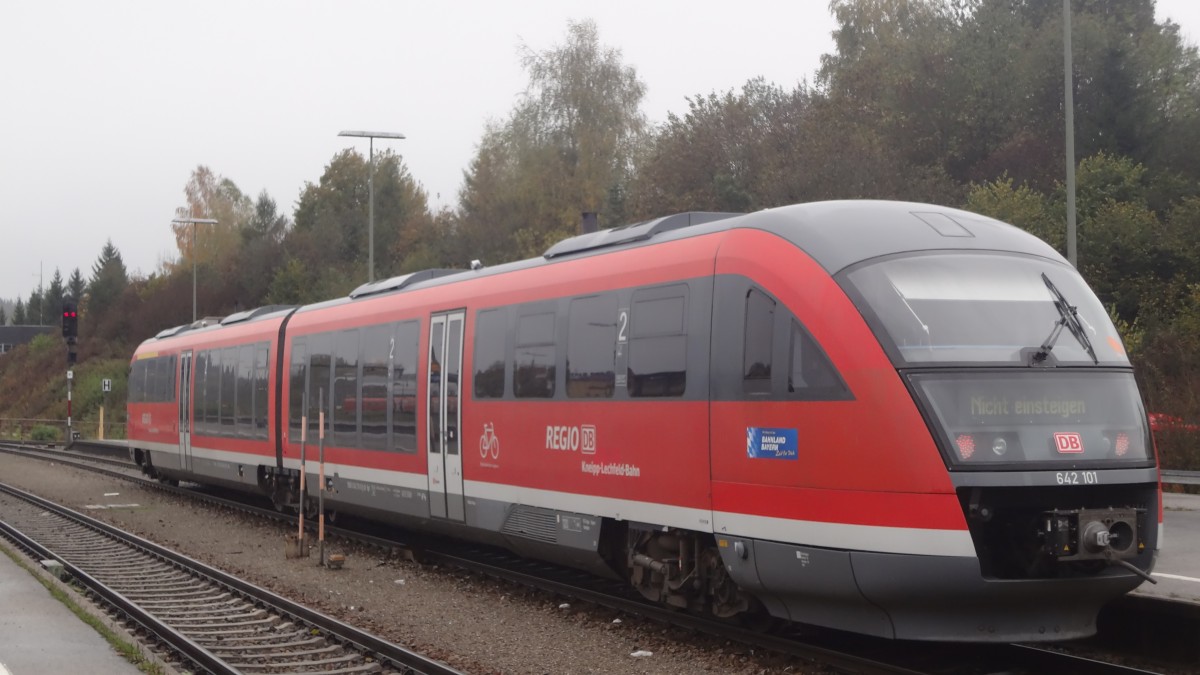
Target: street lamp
[(371, 192), (1069, 106), (193, 222)]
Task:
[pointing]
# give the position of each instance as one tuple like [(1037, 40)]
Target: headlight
[(999, 446)]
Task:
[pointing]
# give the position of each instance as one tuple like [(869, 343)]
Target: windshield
[(984, 308)]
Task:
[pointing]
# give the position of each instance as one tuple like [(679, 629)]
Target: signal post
[(70, 331)]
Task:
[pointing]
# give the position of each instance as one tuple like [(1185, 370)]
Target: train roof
[(211, 323), (837, 234)]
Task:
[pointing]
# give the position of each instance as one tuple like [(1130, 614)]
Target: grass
[(130, 651)]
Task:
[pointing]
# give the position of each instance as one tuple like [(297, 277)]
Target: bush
[(45, 342), (44, 433)]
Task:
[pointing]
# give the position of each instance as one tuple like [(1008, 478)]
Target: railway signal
[(70, 327), (70, 319)]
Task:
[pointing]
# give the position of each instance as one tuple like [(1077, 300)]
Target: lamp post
[(372, 135), (194, 222), (1069, 106)]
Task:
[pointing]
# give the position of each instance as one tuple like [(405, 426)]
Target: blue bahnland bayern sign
[(774, 443)]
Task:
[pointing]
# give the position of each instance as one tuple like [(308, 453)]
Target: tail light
[(1121, 445), (966, 445)]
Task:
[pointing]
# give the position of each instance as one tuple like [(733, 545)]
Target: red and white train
[(892, 418)]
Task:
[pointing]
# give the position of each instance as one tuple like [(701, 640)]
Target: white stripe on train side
[(845, 536)]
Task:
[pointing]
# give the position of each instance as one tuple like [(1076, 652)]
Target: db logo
[(587, 444), (1068, 443)]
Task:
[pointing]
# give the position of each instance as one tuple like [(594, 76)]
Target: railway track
[(846, 652), (214, 622)]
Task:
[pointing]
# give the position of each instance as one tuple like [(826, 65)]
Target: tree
[(54, 295), (1022, 206), (3, 316), (108, 281), (76, 285), (330, 235), (567, 147), (210, 196), (260, 253), (18, 317), (35, 310), (973, 88), (266, 223)]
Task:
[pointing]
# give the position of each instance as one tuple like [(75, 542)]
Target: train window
[(229, 361), (262, 360), (212, 389), (205, 402), (811, 374), (658, 342), (534, 356), (490, 333), (405, 353), (345, 390), (137, 381), (147, 381), (297, 376), (244, 406), (160, 379), (154, 380), (319, 378), (592, 346), (756, 355), (453, 364), (376, 356), (199, 378), (436, 334)]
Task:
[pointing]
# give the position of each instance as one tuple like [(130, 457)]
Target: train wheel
[(727, 599)]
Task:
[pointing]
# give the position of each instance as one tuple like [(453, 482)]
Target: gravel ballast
[(472, 623)]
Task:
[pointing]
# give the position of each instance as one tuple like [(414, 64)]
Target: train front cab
[(1025, 385)]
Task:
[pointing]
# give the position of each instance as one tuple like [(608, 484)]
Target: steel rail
[(340, 631), (178, 642)]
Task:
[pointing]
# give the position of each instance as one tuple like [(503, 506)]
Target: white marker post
[(321, 476), (303, 490), (69, 438)]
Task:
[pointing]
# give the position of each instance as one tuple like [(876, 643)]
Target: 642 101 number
[(1077, 477)]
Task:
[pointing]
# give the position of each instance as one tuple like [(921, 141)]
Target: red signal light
[(966, 445), (70, 319)]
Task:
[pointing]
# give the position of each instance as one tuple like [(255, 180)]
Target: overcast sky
[(107, 107)]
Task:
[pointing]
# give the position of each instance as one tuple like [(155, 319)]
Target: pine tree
[(76, 285), (53, 298), (108, 280), (35, 313), (18, 317)]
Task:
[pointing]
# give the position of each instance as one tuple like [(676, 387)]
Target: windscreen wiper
[(1069, 319)]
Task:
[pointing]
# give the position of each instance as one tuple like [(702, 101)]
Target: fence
[(21, 428), (1170, 477)]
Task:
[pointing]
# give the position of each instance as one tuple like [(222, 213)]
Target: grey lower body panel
[(561, 537), (235, 475), (914, 597)]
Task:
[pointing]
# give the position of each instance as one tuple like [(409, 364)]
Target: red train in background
[(891, 418)]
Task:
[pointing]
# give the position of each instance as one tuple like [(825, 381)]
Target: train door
[(445, 417), (185, 411)]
